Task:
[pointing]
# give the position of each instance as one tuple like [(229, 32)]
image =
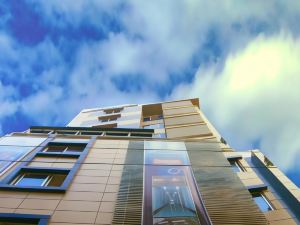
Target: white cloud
[(160, 38), (157, 40), (255, 97)]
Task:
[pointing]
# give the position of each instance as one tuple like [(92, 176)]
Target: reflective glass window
[(32, 179), (11, 154), (21, 141), (235, 167), (262, 202), (154, 126), (165, 157), (167, 145), (160, 135), (39, 179), (171, 196)]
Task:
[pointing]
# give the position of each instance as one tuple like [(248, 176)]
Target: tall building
[(150, 164)]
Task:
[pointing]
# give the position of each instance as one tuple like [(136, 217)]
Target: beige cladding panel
[(176, 104), (188, 131), (182, 120), (91, 196), (179, 111)]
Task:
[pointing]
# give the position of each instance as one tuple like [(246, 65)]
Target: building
[(161, 164)]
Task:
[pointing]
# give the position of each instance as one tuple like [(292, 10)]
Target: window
[(154, 126), (27, 179), (40, 131), (262, 201), (105, 119), (166, 157), (153, 117), (64, 147), (160, 135), (146, 119), (91, 133), (19, 219), (116, 134), (110, 125), (66, 132), (15, 148), (236, 165), (110, 111), (167, 145), (141, 134)]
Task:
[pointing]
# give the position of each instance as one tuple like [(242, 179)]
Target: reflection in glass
[(168, 145), (171, 197), (32, 180), (262, 202), (21, 141), (11, 154), (154, 126), (235, 166), (165, 157)]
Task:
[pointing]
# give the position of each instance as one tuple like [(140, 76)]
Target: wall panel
[(226, 199)]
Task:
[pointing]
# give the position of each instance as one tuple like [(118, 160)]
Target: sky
[(241, 58)]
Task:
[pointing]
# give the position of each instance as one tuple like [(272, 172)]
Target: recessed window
[(153, 117), (154, 126), (40, 131), (262, 202), (146, 119), (236, 165), (66, 132), (39, 180), (116, 134), (32, 180), (105, 119), (110, 111), (141, 135), (113, 119), (110, 125), (91, 133), (60, 148), (26, 219)]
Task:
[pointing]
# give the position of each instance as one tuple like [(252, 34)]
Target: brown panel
[(188, 131), (179, 111), (151, 109), (176, 104), (181, 120), (226, 199)]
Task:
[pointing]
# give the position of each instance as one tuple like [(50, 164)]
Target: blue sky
[(240, 58)]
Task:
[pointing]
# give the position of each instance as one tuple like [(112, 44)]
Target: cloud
[(137, 51), (254, 98)]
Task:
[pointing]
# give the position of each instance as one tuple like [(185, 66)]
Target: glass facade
[(171, 196), (13, 149)]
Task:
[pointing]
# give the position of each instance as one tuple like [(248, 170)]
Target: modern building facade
[(150, 164)]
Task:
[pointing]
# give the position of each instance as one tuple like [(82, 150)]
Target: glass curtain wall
[(170, 195)]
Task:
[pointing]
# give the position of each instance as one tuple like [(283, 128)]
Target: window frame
[(237, 163), (113, 110), (6, 183), (153, 118), (39, 219), (266, 200), (21, 176), (66, 145)]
